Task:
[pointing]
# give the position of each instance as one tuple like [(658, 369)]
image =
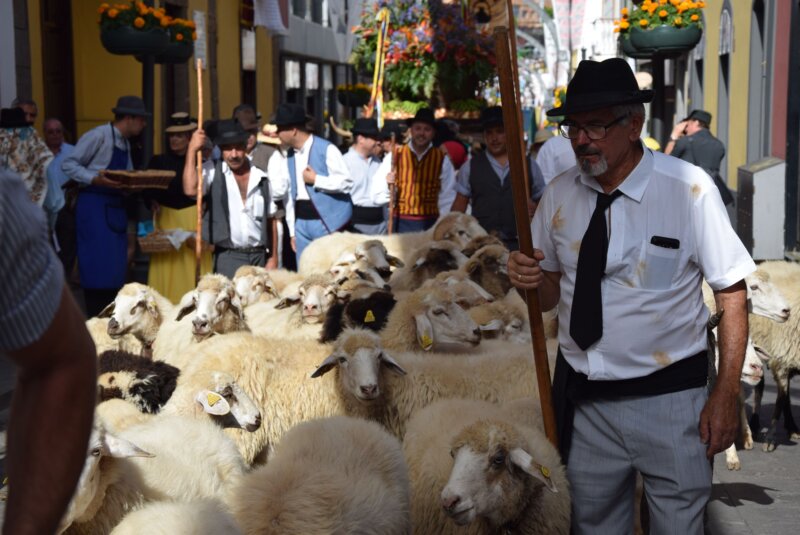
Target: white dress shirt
[(555, 157), (653, 312), (338, 179), (246, 217), (363, 172)]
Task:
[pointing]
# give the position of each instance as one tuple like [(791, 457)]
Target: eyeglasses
[(593, 131)]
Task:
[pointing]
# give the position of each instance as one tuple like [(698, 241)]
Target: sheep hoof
[(748, 443), (769, 446), (734, 465), (795, 435)]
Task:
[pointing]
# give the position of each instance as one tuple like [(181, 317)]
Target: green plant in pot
[(132, 29), (660, 27)]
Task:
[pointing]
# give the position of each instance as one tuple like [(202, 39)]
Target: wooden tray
[(149, 179)]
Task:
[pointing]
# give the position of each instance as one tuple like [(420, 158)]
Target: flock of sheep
[(387, 387)]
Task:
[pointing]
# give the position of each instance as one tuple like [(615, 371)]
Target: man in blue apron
[(100, 216)]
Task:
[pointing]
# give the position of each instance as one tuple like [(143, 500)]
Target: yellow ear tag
[(427, 341), (369, 317), (545, 471), (213, 398)]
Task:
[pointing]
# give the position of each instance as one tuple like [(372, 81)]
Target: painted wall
[(229, 62), (780, 88), (35, 35), (267, 74), (199, 5), (739, 83)]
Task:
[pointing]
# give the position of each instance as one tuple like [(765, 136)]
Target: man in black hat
[(425, 177), (237, 216), (319, 182), (624, 241), (369, 215), (692, 141), (100, 212), (482, 182)]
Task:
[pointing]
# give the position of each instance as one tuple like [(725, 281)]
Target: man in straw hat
[(238, 200), (319, 184), (101, 219), (624, 241), (425, 177), (369, 178)]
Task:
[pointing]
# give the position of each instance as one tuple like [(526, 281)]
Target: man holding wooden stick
[(624, 240)]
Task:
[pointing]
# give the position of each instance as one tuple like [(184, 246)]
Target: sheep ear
[(424, 331), (213, 403), (494, 325), (389, 362), (236, 305), (186, 305), (327, 365), (538, 471), (762, 355), (394, 261), (419, 263), (121, 449), (151, 306), (480, 290), (472, 266), (288, 301), (107, 311)]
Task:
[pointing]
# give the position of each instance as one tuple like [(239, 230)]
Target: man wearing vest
[(369, 178), (483, 182), (237, 200), (319, 182), (425, 178)]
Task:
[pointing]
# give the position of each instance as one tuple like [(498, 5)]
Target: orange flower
[(663, 13), (643, 23), (616, 29), (662, 2), (624, 25), (179, 37), (164, 21), (695, 17), (194, 36), (112, 13), (138, 22), (624, 11), (701, 5), (101, 10), (678, 21)]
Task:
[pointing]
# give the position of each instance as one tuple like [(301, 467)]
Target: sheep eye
[(439, 311), (462, 233), (342, 360), (499, 459), (96, 452), (754, 287), (453, 454)]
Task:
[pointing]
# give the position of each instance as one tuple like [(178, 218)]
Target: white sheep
[(506, 319), (137, 310), (475, 469), (207, 517), (285, 280), (367, 254), (254, 284), (323, 252), (165, 458), (488, 266), (389, 387), (425, 263), (145, 383), (335, 475), (216, 309)]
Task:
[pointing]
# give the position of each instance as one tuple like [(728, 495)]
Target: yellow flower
[(112, 13), (179, 37), (701, 5), (624, 11), (643, 23), (678, 21), (557, 103), (662, 2), (695, 17), (663, 13), (616, 29), (624, 25), (138, 22)]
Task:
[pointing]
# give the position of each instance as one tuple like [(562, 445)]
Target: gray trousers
[(372, 230), (227, 261), (656, 435)]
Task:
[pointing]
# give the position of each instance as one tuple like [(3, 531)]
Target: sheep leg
[(781, 380), (758, 394), (744, 429), (788, 419), (732, 458)]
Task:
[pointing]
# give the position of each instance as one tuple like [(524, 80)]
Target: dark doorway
[(793, 137), (59, 82), (723, 108)]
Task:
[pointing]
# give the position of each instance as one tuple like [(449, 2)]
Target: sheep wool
[(207, 517), (148, 384)]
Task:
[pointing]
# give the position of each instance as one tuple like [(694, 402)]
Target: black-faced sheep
[(426, 263), (336, 475), (148, 384), (479, 242), (488, 267), (370, 311)]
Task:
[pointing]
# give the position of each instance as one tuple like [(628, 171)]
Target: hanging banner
[(375, 106), (272, 15)]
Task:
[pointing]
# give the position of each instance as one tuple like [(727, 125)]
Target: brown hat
[(180, 122)]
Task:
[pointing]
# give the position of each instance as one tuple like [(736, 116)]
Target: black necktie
[(586, 318)]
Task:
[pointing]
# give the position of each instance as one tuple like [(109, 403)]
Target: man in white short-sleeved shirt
[(624, 241), (238, 208)]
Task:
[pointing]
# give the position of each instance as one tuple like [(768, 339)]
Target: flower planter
[(173, 53), (126, 40), (665, 40), (631, 51), (354, 100)]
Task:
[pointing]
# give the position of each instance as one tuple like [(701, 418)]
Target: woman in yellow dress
[(172, 274)]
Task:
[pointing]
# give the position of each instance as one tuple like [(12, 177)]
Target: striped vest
[(418, 182)]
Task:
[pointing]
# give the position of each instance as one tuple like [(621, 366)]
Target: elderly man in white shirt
[(369, 216), (624, 241), (238, 203)]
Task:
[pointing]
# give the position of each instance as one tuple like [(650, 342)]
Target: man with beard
[(624, 240), (482, 181), (237, 196)]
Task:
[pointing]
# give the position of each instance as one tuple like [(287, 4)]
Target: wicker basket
[(150, 179), (204, 246), (156, 242)]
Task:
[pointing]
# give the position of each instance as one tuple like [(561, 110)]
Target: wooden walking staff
[(198, 239), (392, 187), (509, 92)]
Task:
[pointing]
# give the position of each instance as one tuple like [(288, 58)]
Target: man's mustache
[(586, 150)]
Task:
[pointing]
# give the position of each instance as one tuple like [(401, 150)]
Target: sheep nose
[(369, 390), (200, 323), (449, 502), (310, 308), (113, 324), (477, 332), (257, 423), (786, 312)]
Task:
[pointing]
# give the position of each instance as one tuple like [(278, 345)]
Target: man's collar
[(306, 146), (635, 183), (423, 153)]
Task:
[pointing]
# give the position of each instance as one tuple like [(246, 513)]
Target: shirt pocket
[(660, 264), (258, 207)]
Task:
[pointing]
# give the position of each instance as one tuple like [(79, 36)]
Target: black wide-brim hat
[(424, 115), (491, 116), (230, 132), (130, 105), (13, 118), (601, 84), (290, 115), (366, 127), (701, 115)]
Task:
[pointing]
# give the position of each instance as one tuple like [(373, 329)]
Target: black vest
[(216, 218), (493, 203)]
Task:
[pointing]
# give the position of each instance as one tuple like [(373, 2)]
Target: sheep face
[(489, 268), (88, 495), (210, 304), (753, 368), (360, 270), (492, 476), (226, 399), (374, 253), (251, 287), (468, 293), (315, 301), (443, 324), (764, 298), (458, 228), (130, 312)]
